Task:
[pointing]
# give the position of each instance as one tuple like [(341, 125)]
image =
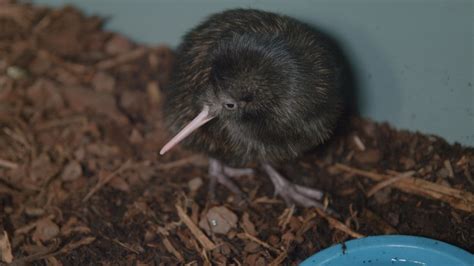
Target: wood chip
[(389, 182), (103, 82), (122, 58), (28, 227), (258, 241), (153, 91), (449, 167), (247, 225), (359, 143), (195, 183), (458, 199), (197, 160), (104, 181), (336, 224), (169, 246), (71, 171), (285, 217), (45, 230), (75, 244), (206, 243), (8, 164), (5, 248), (369, 156), (279, 259)]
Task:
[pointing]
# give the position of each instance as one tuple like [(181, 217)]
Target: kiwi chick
[(254, 86)]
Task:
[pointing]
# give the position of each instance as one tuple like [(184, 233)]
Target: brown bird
[(254, 86)]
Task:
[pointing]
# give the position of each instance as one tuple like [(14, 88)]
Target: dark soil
[(81, 182)]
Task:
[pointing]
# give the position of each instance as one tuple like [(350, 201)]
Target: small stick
[(169, 246), (123, 245), (279, 260), (101, 183), (388, 182), (194, 160), (198, 234), (449, 167), (338, 225), (51, 253), (250, 237), (28, 227), (359, 143), (458, 199), (5, 248), (8, 164), (285, 217), (122, 58)]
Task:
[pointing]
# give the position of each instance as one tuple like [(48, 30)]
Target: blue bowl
[(392, 250)]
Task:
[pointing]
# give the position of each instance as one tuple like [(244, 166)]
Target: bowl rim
[(412, 242)]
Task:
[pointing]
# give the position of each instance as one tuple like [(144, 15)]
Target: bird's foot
[(219, 173), (294, 194)]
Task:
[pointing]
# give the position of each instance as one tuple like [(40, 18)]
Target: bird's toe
[(301, 196), (237, 172)]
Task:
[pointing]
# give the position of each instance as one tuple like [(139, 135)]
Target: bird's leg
[(219, 173), (292, 193)]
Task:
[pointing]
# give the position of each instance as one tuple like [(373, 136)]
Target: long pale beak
[(202, 118)]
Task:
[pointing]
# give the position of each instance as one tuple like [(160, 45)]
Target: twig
[(28, 227), (250, 237), (16, 136), (8, 164), (122, 58), (195, 160), (50, 252), (285, 217), (449, 167), (169, 246), (359, 143), (279, 260), (388, 182), (5, 248), (76, 68), (198, 234), (458, 199), (125, 246), (338, 225), (104, 181)]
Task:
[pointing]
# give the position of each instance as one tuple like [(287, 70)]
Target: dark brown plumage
[(266, 87)]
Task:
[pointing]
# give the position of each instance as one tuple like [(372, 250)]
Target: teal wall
[(413, 59)]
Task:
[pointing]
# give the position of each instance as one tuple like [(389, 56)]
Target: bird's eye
[(230, 106)]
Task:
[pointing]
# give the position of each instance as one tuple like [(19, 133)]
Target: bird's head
[(251, 88)]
